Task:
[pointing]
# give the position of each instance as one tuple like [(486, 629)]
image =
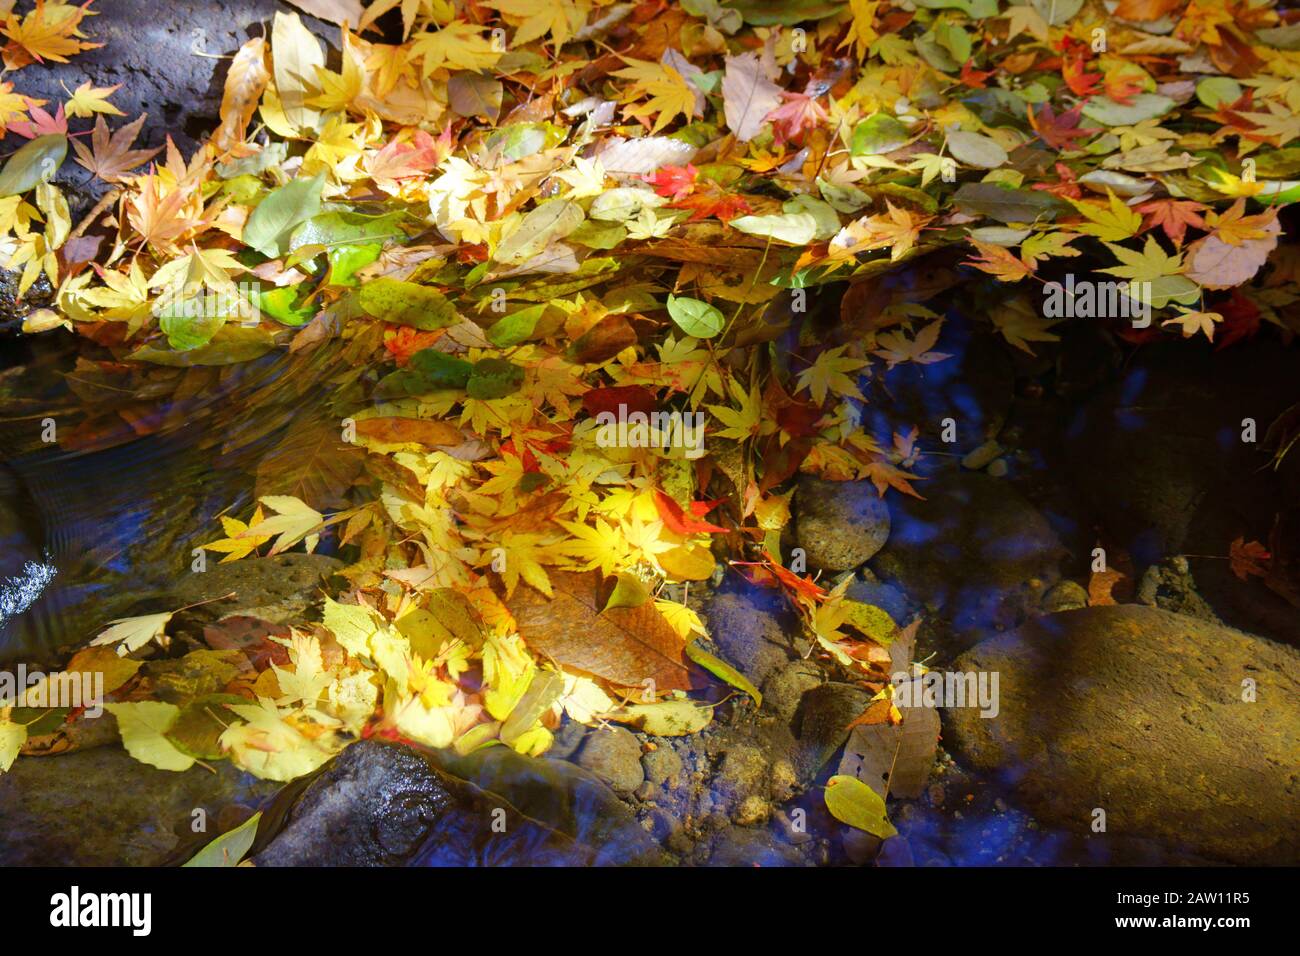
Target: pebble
[(615, 756), (981, 456)]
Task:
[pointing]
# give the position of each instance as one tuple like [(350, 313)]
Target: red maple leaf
[(1121, 88), (712, 201), (403, 341), (1247, 558), (976, 79), (795, 117), (674, 182), (1173, 216), (1068, 185), (1059, 130), (676, 519), (1080, 82), (1240, 320), (42, 123), (770, 572)]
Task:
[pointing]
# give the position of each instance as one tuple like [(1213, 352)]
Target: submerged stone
[(1177, 729), (384, 804)]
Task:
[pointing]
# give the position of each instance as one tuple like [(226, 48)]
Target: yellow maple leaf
[(862, 31), (669, 94), (49, 32), (537, 18), (239, 542), (14, 106), (1112, 223), (458, 45), (1192, 321), (828, 373), (87, 100)]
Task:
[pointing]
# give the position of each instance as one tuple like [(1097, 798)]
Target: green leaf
[(440, 370), (598, 235), (346, 260), (232, 344), (407, 303), (1143, 106), (352, 626), (494, 378), (342, 226), (695, 318), (853, 802), (975, 149), (1213, 90), (1056, 12), (188, 324), (285, 304), (269, 227), (828, 223), (978, 9), (515, 328), (767, 13), (1007, 205), (229, 848), (795, 228), (878, 133), (34, 163), (722, 670)]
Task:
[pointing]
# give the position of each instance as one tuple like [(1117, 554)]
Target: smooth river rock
[(386, 804), (839, 524), (101, 807), (1140, 712)]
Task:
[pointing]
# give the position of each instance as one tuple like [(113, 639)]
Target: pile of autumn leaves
[(614, 182)]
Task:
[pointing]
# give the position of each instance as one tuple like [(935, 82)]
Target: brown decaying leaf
[(245, 83), (111, 157), (1248, 558), (312, 463), (625, 646), (418, 430)]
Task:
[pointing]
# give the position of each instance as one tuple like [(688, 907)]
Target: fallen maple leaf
[(1247, 558), (111, 157)]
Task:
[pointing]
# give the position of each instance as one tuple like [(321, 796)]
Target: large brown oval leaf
[(625, 645), (419, 430)]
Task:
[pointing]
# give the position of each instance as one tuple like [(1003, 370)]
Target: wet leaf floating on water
[(277, 215), (442, 263), (853, 802), (721, 669), (144, 725), (664, 718), (626, 646), (407, 303), (133, 633), (12, 737), (229, 848)]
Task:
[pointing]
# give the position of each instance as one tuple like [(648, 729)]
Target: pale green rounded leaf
[(695, 318)]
